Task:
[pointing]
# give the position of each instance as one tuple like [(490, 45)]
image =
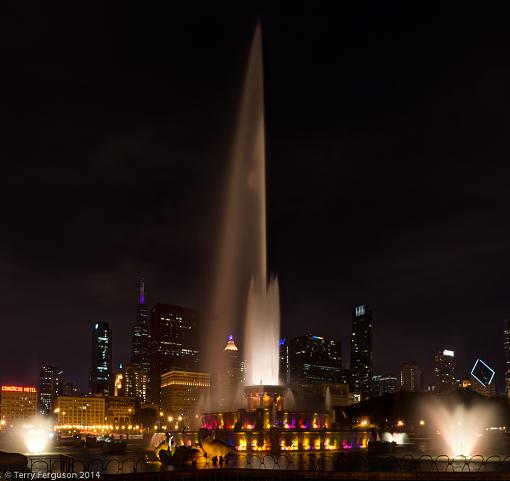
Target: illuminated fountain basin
[(295, 440)]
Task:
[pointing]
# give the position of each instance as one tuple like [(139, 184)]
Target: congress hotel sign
[(18, 389)]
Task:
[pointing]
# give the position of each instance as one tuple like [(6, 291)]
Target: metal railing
[(290, 463)]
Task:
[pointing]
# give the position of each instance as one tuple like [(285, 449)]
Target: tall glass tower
[(141, 342), (361, 350), (101, 367), (51, 385)]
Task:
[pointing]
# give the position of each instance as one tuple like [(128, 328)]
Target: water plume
[(36, 434), (241, 287), (461, 427)]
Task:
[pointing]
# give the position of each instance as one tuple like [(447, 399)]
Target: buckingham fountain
[(263, 423)]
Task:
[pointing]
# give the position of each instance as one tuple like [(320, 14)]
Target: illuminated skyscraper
[(410, 377), (506, 345), (174, 343), (227, 376), (141, 347), (101, 381), (141, 333), (314, 360), (132, 382), (361, 350), (51, 385), (444, 370), (284, 362)]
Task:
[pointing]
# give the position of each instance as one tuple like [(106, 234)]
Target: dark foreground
[(299, 466)]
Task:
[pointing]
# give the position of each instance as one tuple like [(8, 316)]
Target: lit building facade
[(361, 350), (101, 381), (180, 393), (314, 360), (385, 384), (141, 345), (131, 381), (506, 345), (120, 411), (174, 343), (284, 371), (444, 370), (87, 412), (51, 385), (410, 377), (17, 404)]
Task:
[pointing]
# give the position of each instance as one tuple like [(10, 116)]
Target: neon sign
[(18, 389)]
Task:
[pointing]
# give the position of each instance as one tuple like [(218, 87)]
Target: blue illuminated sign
[(482, 373)]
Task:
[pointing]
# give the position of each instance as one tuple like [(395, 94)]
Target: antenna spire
[(141, 298)]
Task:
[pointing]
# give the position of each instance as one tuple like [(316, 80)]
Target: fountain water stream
[(242, 272)]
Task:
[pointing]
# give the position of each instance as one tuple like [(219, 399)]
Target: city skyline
[(346, 373), (379, 186)]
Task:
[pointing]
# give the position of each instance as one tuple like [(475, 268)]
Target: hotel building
[(17, 404)]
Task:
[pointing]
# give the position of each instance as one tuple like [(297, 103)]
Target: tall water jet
[(241, 286)]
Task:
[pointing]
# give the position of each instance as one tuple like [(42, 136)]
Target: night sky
[(387, 163)]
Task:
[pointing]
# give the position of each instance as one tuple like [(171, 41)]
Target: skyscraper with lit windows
[(141, 342), (174, 343), (51, 385), (101, 381), (314, 360), (444, 370), (141, 346), (361, 350)]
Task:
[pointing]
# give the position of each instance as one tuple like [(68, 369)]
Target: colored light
[(476, 377)]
